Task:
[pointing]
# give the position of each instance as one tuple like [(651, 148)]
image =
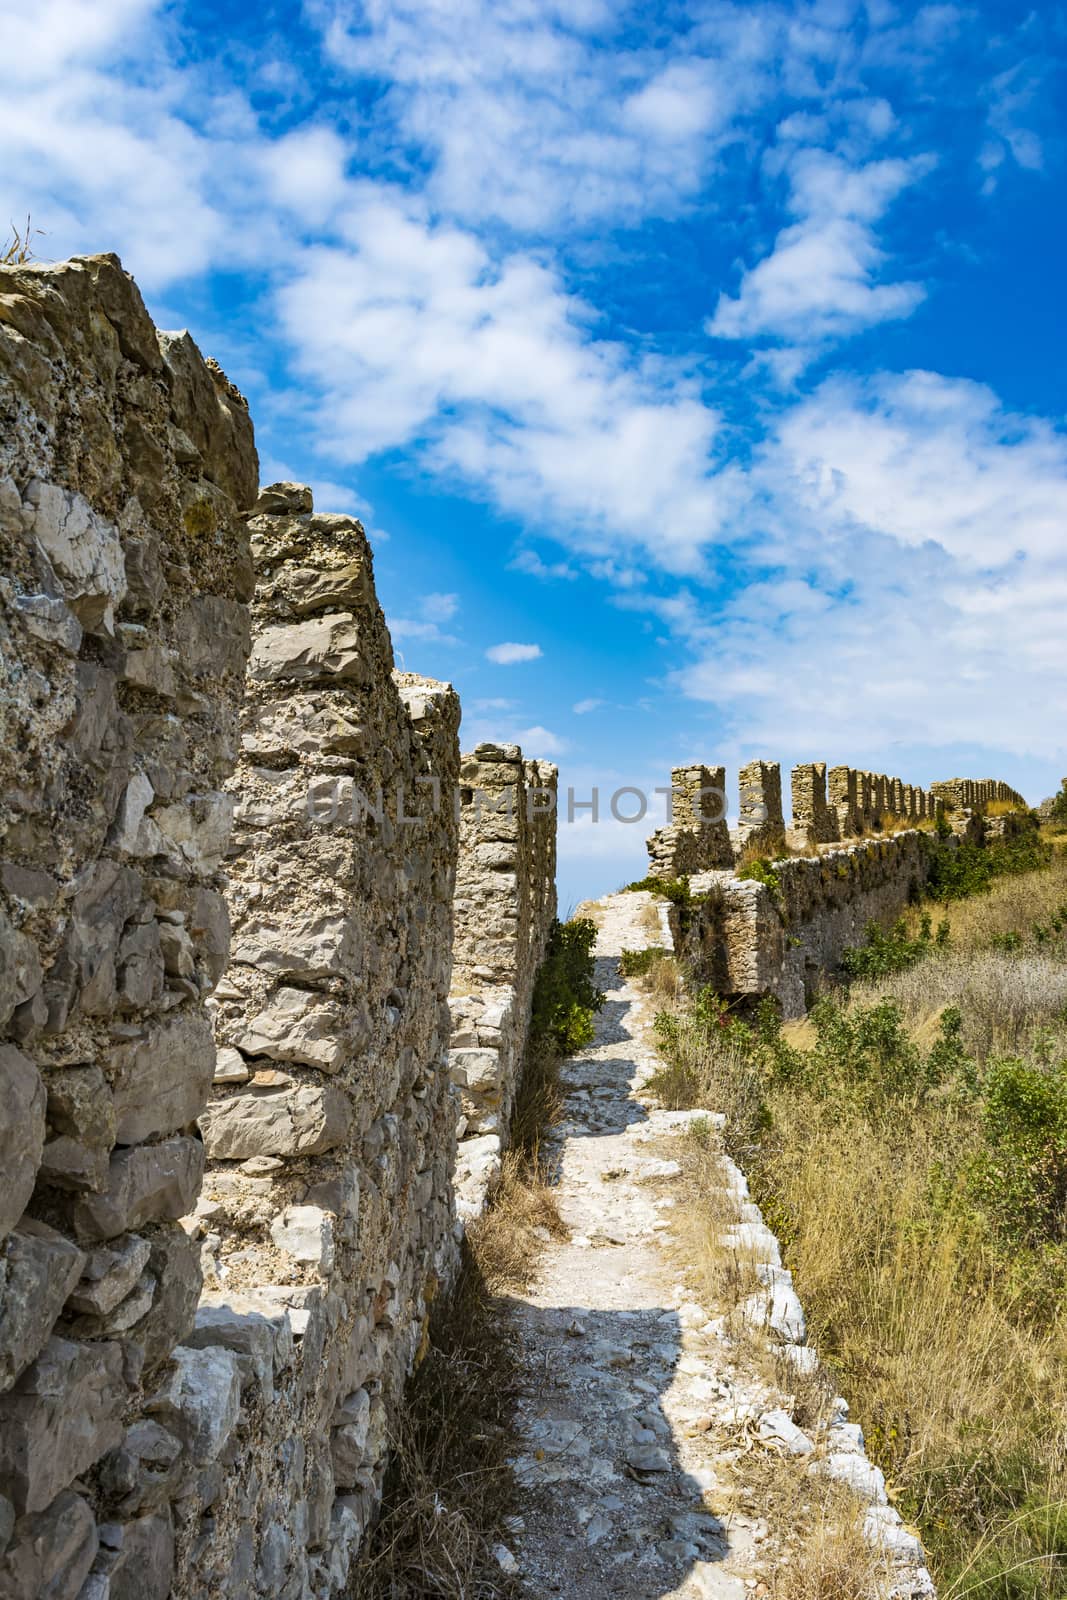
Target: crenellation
[(697, 837), (761, 825), (505, 907), (814, 821)]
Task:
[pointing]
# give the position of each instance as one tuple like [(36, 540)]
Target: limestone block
[(22, 1129), (305, 1232), (50, 1554), (197, 830), (108, 1275), (146, 1568), (84, 549), (298, 1026), (328, 647), (255, 1330), (348, 1439), (38, 1267), (175, 1266), (20, 968), (142, 1470), (200, 1400), (162, 1079), (477, 1070), (307, 1120), (144, 1183), (63, 1414), (313, 944)]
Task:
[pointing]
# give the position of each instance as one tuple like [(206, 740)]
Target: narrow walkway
[(631, 1385)]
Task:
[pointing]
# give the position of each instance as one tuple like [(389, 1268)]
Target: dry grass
[(507, 1239), (1003, 998), (1013, 905), (947, 1347), (18, 250), (830, 1558), (449, 1489), (918, 1320), (650, 922), (815, 1525)]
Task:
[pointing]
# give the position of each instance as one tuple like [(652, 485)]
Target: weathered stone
[(144, 1182), (64, 1413), (84, 549), (108, 1275), (230, 1067), (38, 1266), (322, 648), (50, 1554), (161, 1080), (143, 1470), (22, 1127), (304, 1121), (175, 1266), (146, 1571), (305, 1232), (256, 1331), (200, 1400), (298, 1025), (81, 1118), (318, 944)]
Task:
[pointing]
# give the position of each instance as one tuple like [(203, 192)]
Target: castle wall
[(326, 1219), (505, 906), (126, 461), (747, 939), (228, 1162), (697, 837)]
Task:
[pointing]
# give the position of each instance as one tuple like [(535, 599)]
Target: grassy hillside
[(908, 1142)]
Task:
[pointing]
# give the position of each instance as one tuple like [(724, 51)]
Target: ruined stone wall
[(973, 794), (748, 939), (125, 462), (196, 1386), (697, 837), (504, 909), (326, 1221), (761, 825)]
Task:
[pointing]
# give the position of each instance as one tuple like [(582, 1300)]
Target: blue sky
[(716, 351)]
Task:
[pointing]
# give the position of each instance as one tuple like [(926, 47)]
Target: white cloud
[(414, 335), (439, 607), (581, 708), (543, 115), (914, 590), (425, 627), (820, 281), (507, 655), (530, 562)]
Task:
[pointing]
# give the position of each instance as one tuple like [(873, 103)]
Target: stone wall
[(697, 836), (973, 794), (125, 462), (326, 1220), (504, 909), (827, 808), (749, 939)]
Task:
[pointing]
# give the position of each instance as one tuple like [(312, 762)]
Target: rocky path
[(635, 1401)]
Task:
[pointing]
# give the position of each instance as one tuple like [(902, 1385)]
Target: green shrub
[(957, 871), (893, 949), (637, 963), (566, 997), (762, 871), (1021, 1178)]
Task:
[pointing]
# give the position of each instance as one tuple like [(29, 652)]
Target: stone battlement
[(827, 808)]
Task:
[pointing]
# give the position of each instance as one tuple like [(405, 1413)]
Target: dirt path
[(632, 1387)]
